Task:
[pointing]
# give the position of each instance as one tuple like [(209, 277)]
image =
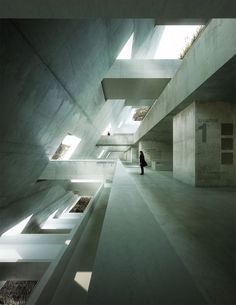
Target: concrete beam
[(86, 169), (139, 103), (138, 79), (116, 140), (143, 68), (21, 239), (165, 10), (208, 72), (22, 271), (28, 252)]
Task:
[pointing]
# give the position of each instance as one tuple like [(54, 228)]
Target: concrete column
[(135, 155), (204, 144), (129, 155), (157, 154)]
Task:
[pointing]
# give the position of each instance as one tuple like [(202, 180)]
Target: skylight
[(66, 148), (101, 154), (84, 180), (126, 52), (108, 129), (108, 155), (174, 40), (130, 119), (120, 124), (17, 229)]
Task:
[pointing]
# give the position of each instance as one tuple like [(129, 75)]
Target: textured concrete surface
[(46, 82), (200, 225), (197, 144), (207, 73), (80, 169), (58, 285), (158, 153), (116, 140), (209, 167), (135, 263), (165, 11), (41, 204), (143, 68), (184, 145), (138, 79)]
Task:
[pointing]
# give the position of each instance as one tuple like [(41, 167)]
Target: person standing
[(142, 162)]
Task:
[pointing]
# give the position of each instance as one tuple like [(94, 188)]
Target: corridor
[(200, 225)]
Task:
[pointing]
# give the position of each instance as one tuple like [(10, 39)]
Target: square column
[(204, 144)]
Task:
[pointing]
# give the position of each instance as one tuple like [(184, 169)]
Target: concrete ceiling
[(163, 10), (219, 87), (134, 88), (207, 73)]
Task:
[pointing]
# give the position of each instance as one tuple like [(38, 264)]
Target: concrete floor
[(200, 225), (158, 241)]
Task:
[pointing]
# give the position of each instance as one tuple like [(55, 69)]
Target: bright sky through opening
[(174, 40), (101, 154), (17, 229), (108, 129), (126, 52), (130, 119), (71, 141)]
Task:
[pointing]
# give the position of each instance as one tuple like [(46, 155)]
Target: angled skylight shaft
[(73, 142), (174, 40), (130, 119), (101, 154), (120, 124), (108, 129), (66, 148), (17, 229), (126, 52)]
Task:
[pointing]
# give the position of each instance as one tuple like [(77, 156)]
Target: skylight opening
[(101, 154), (17, 229), (9, 255), (120, 124), (174, 39), (126, 52), (108, 129), (52, 215), (108, 155), (84, 180), (130, 119), (66, 148)]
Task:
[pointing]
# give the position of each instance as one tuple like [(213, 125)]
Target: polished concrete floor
[(155, 240), (200, 224)]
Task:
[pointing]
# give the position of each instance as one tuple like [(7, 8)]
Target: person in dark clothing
[(142, 162)]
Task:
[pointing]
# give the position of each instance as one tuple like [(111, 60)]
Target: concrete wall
[(50, 84), (135, 154), (184, 145), (209, 169), (197, 144), (51, 72), (157, 154), (49, 197)]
